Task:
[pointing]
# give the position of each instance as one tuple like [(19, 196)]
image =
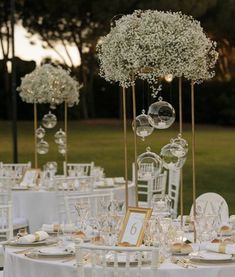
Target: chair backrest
[(105, 260), (173, 189), (68, 183), (213, 203), (6, 225), (69, 186), (14, 170), (92, 203), (78, 169), (147, 188)]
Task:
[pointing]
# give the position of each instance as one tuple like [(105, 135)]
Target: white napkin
[(119, 180), (221, 248), (58, 227), (70, 248), (37, 236)]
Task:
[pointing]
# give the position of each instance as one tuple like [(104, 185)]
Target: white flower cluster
[(49, 84), (151, 44)]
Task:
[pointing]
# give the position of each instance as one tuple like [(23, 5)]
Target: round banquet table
[(40, 207), (18, 265)]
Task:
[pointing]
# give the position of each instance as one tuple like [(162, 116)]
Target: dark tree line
[(82, 23)]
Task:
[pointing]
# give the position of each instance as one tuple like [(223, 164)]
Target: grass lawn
[(102, 142)]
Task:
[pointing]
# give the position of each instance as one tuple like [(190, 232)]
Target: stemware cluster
[(105, 224)]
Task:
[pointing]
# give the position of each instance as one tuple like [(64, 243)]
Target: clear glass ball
[(40, 132), (49, 120), (62, 149), (171, 161), (143, 128), (149, 164), (184, 146), (161, 114), (42, 147), (60, 137)]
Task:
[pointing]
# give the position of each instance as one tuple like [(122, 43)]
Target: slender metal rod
[(181, 171), (66, 130), (125, 145), (35, 137), (135, 138), (193, 156)]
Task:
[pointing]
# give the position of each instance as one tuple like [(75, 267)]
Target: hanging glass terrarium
[(161, 114), (40, 132), (149, 164), (62, 149), (143, 128), (183, 149), (42, 147), (49, 120), (169, 159), (60, 137)]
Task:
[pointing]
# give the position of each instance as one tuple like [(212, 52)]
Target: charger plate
[(211, 257), (50, 252), (36, 243)]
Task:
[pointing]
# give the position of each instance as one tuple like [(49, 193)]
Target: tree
[(5, 41)]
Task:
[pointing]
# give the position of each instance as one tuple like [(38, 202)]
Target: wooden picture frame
[(132, 230), (30, 177)]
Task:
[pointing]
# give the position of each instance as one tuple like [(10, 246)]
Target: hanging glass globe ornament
[(149, 164), (60, 137), (49, 120), (40, 132), (169, 78), (143, 128), (62, 149), (161, 114), (53, 104), (42, 147), (171, 161), (184, 146)]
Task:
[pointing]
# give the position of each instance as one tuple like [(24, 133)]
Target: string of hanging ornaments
[(152, 45), (49, 85)]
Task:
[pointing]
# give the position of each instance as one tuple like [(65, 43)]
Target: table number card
[(30, 177), (132, 231)]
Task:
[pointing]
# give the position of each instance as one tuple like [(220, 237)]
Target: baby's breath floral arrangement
[(151, 44), (49, 84)]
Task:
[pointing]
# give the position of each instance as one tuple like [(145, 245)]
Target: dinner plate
[(210, 257), (36, 243), (53, 252)]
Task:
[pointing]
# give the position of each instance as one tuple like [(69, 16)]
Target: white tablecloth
[(17, 265), (41, 207)]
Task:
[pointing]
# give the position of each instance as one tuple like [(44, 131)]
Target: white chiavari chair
[(173, 189), (92, 203), (78, 169), (14, 170), (70, 186), (149, 187), (6, 222), (105, 260)]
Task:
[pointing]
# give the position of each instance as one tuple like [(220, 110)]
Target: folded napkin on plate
[(221, 248), (58, 227), (70, 248), (37, 236)]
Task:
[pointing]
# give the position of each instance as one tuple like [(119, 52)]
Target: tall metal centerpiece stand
[(35, 137)]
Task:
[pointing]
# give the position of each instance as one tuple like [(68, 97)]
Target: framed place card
[(30, 177), (133, 225)]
